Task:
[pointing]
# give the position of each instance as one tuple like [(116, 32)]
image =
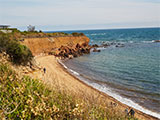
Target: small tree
[(40, 31), (31, 28)]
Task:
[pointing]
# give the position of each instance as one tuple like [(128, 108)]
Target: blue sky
[(80, 14)]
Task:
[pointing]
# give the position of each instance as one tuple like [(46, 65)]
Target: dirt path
[(57, 77)]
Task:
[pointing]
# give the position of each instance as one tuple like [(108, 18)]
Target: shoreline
[(109, 92), (78, 85)]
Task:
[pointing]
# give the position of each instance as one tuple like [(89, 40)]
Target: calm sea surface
[(131, 73)]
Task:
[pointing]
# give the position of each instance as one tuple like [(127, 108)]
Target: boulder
[(70, 52), (156, 40), (105, 45), (84, 44), (78, 46), (95, 46), (120, 45), (70, 56), (95, 50)]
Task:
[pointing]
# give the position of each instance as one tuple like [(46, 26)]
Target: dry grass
[(30, 99)]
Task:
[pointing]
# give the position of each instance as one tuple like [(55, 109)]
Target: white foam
[(123, 100), (98, 34), (131, 42), (74, 72), (148, 41), (101, 48), (70, 70), (62, 64), (93, 34)]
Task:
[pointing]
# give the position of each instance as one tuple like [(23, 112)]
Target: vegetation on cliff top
[(32, 33)]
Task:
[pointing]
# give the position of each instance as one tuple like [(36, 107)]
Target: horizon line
[(101, 29)]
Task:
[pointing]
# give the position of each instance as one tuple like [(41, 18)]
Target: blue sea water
[(131, 73)]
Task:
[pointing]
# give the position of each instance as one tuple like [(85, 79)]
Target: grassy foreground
[(26, 98)]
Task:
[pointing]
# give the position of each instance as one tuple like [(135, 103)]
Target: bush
[(75, 34), (78, 34), (19, 54), (4, 40), (40, 31), (81, 34)]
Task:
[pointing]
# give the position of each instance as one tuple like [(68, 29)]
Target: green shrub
[(18, 53), (4, 40), (40, 31), (15, 30), (81, 34), (75, 34), (78, 34)]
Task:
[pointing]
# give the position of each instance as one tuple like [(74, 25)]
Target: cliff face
[(48, 44)]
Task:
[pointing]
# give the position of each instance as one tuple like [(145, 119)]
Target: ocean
[(130, 74)]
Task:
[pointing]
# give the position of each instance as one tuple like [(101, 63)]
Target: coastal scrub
[(26, 98)]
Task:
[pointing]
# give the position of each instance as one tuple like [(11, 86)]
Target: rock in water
[(95, 50)]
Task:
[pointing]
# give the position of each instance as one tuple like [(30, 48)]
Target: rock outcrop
[(96, 50), (70, 52), (156, 41)]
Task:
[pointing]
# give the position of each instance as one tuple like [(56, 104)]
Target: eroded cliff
[(53, 44)]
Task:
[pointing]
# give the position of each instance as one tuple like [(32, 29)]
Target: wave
[(70, 70), (94, 34), (131, 41), (99, 48), (125, 42), (74, 72), (111, 93), (59, 61), (148, 41)]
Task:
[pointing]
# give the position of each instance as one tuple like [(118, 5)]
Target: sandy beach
[(57, 76)]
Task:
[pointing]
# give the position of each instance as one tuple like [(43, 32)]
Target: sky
[(80, 14)]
